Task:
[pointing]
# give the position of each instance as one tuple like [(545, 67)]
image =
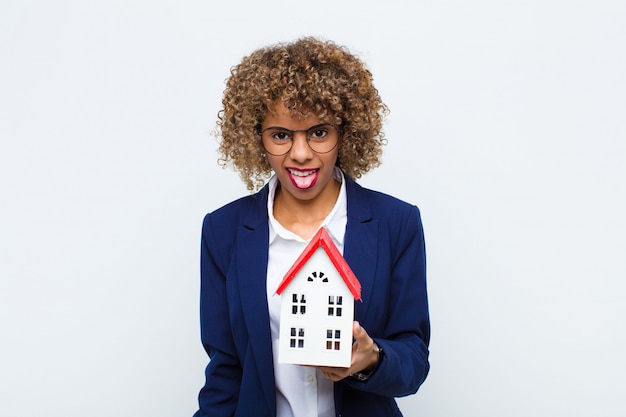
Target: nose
[(300, 149)]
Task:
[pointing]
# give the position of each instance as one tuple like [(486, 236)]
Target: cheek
[(273, 162), (332, 159)]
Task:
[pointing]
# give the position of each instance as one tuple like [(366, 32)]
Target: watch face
[(360, 376)]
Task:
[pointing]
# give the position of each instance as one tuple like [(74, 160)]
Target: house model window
[(317, 306)]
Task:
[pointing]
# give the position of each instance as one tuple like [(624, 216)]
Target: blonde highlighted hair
[(311, 77)]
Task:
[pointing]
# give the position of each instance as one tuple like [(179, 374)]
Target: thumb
[(360, 335)]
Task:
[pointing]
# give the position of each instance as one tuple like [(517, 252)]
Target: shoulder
[(240, 211), (399, 221), (385, 200), (380, 204), (221, 226)]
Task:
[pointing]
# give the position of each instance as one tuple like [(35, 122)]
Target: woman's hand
[(364, 356)]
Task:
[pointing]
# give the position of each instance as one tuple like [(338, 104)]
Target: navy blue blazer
[(384, 246)]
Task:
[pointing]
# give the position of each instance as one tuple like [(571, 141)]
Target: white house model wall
[(317, 311)]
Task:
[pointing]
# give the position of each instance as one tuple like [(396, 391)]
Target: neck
[(303, 217)]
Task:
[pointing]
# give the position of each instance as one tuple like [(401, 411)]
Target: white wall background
[(508, 129)]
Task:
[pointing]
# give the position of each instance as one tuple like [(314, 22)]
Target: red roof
[(323, 239)]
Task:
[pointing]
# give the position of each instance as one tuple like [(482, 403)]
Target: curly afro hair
[(311, 77)]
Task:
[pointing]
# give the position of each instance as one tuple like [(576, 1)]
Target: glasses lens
[(277, 141), (321, 138)]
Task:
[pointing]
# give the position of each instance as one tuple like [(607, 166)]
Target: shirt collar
[(335, 222)]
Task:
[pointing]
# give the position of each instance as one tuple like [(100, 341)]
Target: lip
[(302, 170), (295, 173)]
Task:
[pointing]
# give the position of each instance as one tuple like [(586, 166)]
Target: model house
[(317, 306)]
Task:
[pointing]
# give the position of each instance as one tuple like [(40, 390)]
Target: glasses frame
[(292, 134)]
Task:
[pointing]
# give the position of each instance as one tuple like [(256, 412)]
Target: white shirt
[(301, 391)]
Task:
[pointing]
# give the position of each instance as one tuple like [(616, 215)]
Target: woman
[(308, 113)]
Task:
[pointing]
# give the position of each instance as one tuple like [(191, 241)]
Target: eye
[(280, 136), (318, 133)]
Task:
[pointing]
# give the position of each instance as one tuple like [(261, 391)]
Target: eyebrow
[(298, 130)]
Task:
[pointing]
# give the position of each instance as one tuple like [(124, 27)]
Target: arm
[(402, 329), (219, 395)]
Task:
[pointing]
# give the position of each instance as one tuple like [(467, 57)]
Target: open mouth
[(303, 179)]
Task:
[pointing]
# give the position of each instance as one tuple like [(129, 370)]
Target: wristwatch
[(364, 376)]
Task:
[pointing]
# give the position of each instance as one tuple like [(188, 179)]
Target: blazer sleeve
[(405, 332), (223, 374)]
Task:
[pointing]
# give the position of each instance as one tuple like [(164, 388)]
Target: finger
[(359, 333)]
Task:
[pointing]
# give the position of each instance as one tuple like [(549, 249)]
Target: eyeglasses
[(321, 138)]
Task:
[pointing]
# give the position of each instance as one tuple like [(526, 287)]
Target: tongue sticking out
[(304, 182)]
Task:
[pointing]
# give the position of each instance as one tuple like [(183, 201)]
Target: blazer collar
[(361, 243), (359, 208), (255, 216)]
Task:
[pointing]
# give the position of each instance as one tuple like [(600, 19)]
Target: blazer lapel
[(252, 257), (361, 243)]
